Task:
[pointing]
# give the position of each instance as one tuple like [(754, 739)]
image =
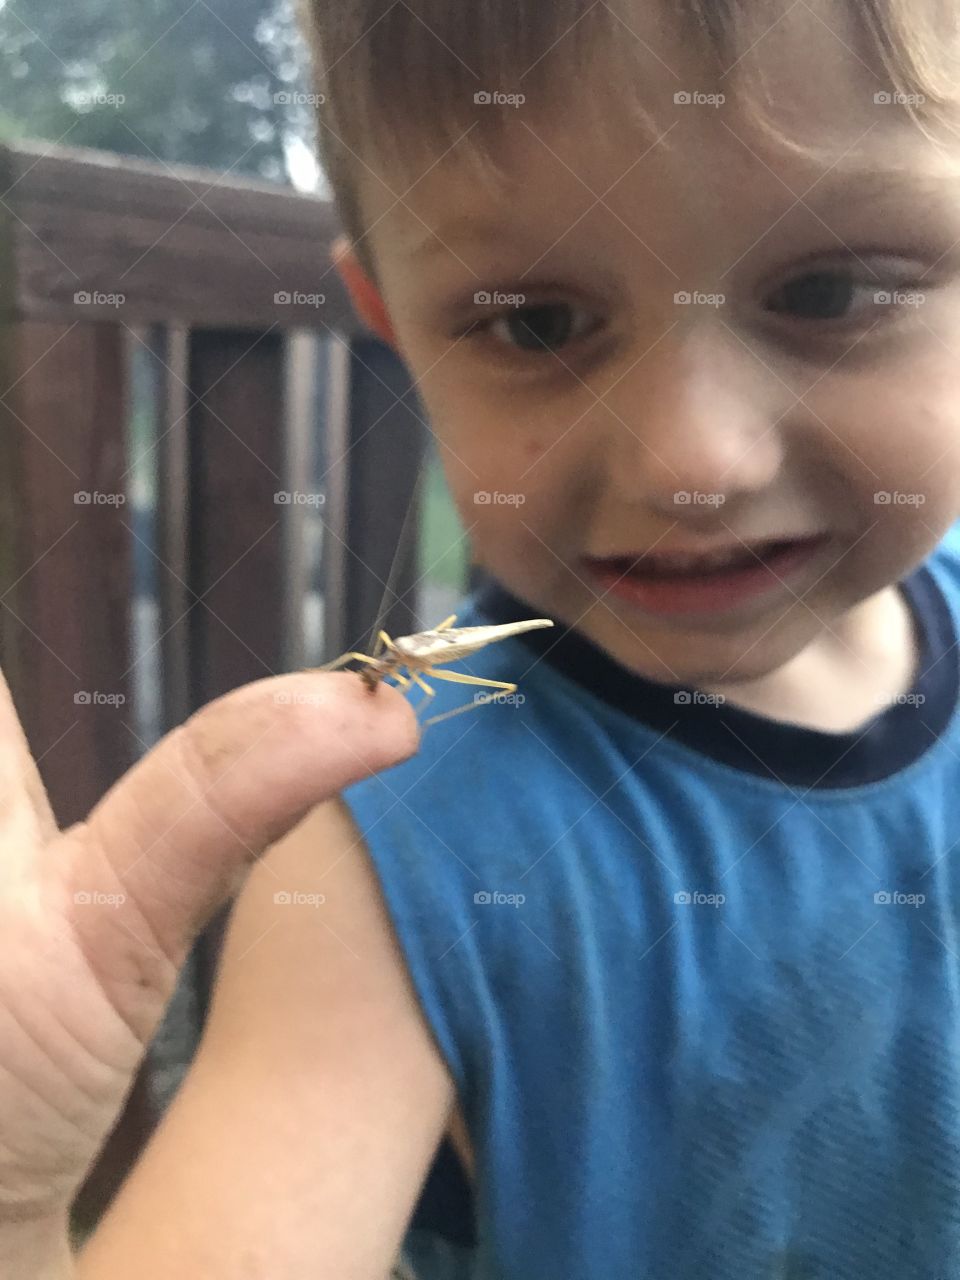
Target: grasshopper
[(421, 654)]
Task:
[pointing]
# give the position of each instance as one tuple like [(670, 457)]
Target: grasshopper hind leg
[(467, 706), (497, 689), (429, 694)]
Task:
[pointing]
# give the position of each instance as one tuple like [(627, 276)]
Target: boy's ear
[(364, 294)]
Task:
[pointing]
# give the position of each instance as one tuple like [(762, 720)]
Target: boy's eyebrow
[(867, 186), (847, 190), (462, 229)]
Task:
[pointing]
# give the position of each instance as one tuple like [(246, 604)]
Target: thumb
[(172, 839)]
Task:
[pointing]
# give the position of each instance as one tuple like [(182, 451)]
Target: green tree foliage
[(217, 83)]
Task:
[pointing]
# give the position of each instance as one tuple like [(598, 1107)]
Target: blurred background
[(202, 83), (219, 84), (209, 471)]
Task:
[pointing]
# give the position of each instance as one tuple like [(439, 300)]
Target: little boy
[(682, 917)]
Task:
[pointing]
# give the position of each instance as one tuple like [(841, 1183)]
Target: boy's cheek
[(911, 481), (509, 505), (503, 520), (896, 426), (484, 479), (511, 533)]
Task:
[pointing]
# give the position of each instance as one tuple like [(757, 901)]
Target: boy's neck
[(849, 674)]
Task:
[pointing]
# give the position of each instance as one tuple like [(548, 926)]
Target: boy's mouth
[(701, 582)]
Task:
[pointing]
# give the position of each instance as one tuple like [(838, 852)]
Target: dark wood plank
[(65, 594), (376, 437), (177, 244), (236, 467)]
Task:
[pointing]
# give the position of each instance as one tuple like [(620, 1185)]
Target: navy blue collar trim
[(789, 753)]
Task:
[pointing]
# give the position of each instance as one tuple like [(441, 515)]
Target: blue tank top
[(694, 972)]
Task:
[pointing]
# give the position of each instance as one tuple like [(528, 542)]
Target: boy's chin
[(697, 660)]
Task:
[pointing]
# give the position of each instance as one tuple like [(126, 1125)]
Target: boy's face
[(608, 418)]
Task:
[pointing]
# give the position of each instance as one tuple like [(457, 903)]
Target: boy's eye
[(819, 295), (539, 328), (832, 295)]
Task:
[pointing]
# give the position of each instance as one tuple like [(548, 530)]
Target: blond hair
[(397, 78)]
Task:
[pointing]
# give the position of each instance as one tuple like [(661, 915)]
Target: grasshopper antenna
[(403, 550)]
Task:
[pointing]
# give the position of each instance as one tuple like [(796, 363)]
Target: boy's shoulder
[(946, 554), (943, 564)]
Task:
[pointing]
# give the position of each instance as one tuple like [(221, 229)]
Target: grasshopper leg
[(467, 706), (428, 692), (457, 677)]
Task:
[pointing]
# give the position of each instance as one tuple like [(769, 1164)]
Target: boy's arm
[(305, 1128)]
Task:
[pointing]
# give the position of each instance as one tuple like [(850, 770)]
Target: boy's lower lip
[(703, 592)]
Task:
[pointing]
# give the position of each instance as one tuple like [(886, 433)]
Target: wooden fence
[(210, 288)]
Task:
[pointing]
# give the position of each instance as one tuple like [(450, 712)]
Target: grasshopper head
[(370, 678), (372, 673)]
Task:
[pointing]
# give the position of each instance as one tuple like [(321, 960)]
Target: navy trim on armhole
[(446, 1207)]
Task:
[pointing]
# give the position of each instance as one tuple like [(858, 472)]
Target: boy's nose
[(695, 417)]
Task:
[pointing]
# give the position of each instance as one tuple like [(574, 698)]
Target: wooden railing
[(206, 289)]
